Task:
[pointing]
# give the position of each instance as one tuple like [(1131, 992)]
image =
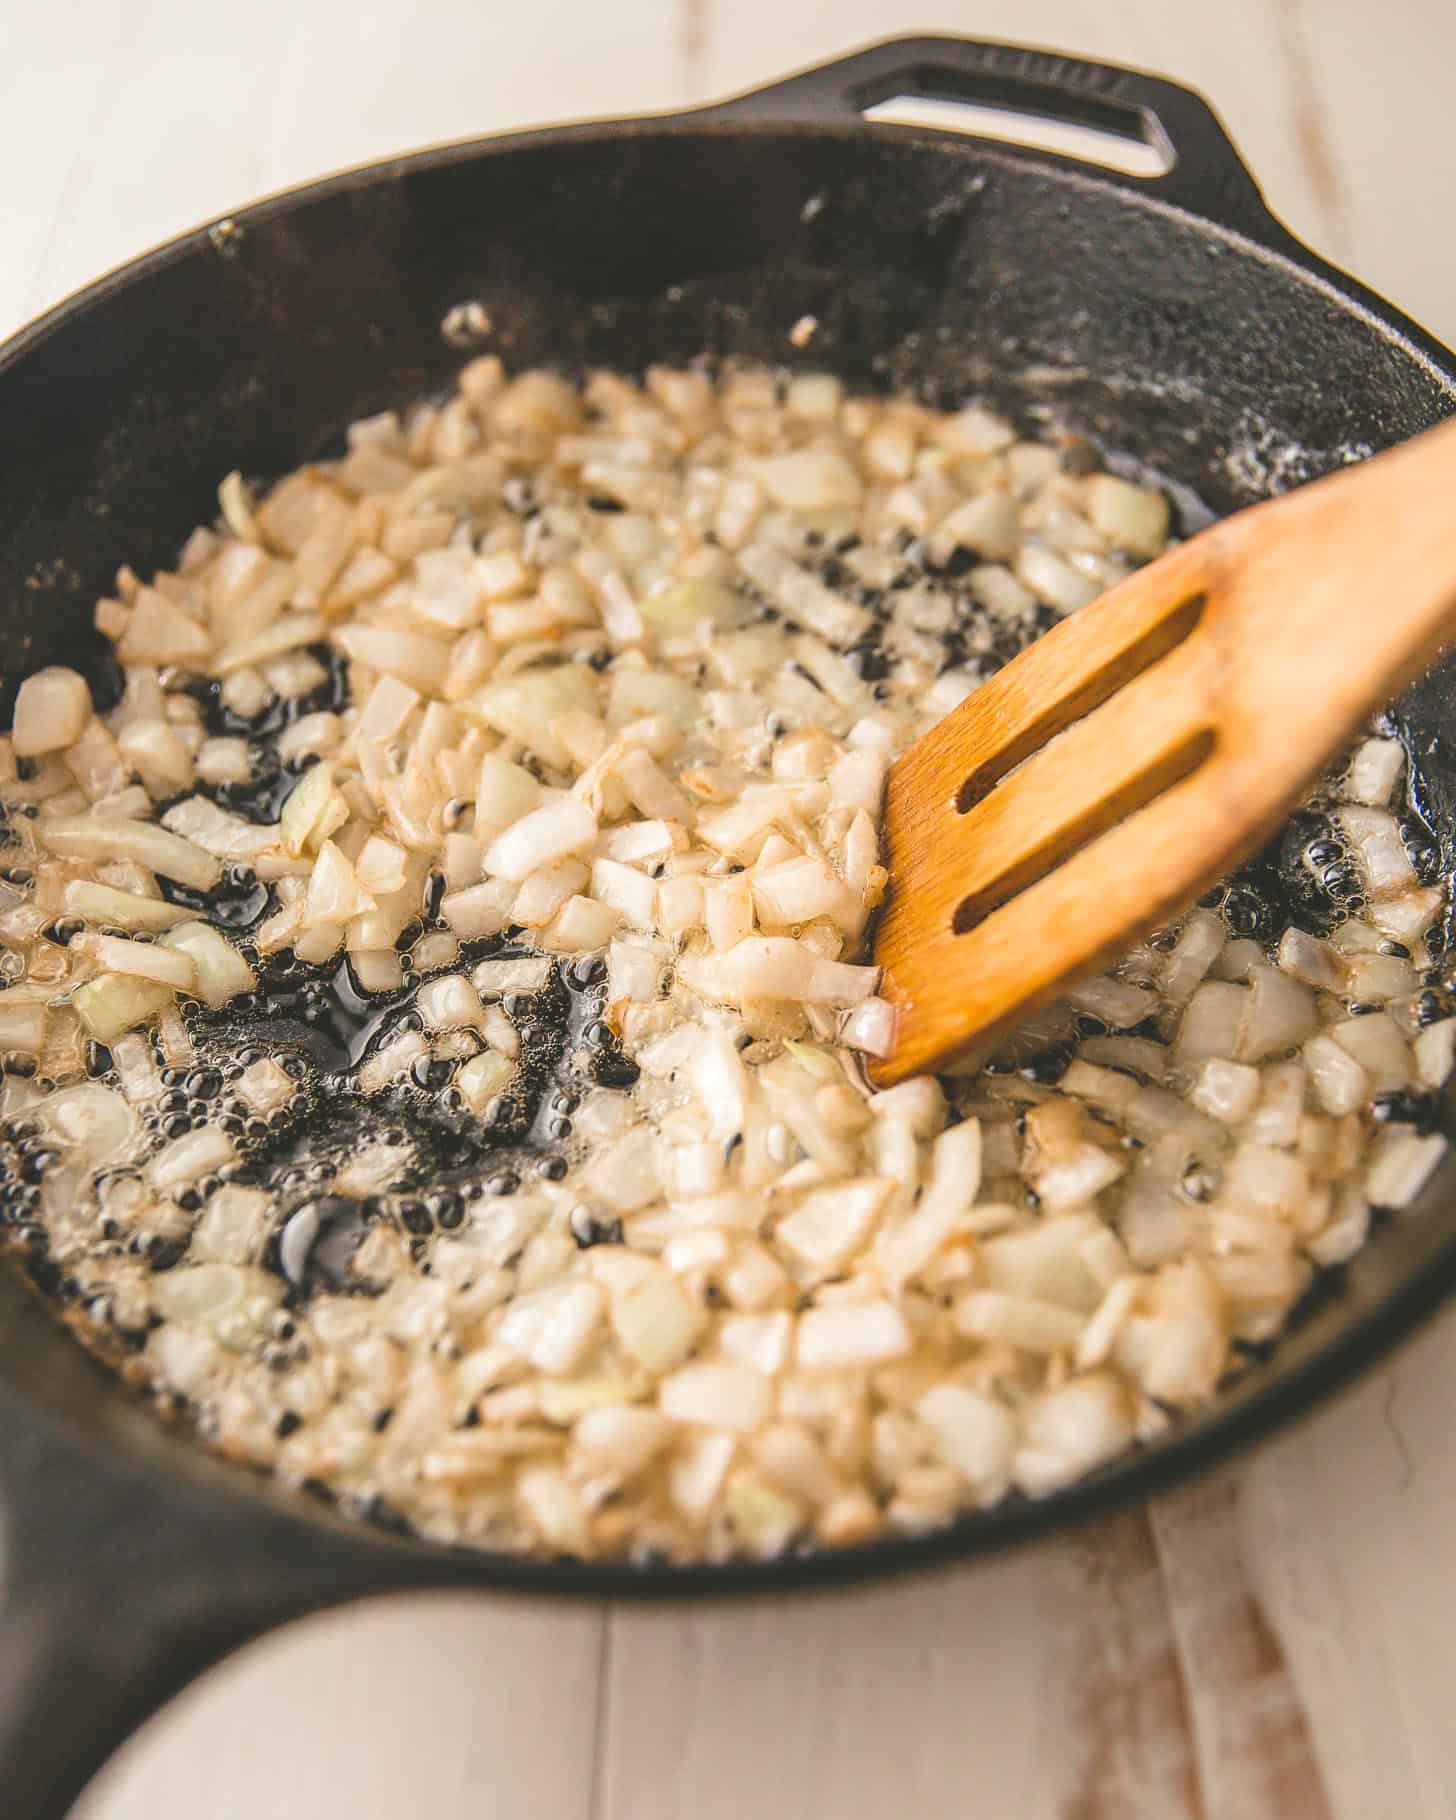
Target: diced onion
[(146, 960), (144, 843), (1375, 1042), (553, 1327), (196, 1153), (974, 1433), (546, 834), (22, 1027), (313, 812), (1131, 518), (1069, 1430), (481, 910), (1225, 1090), (810, 480), (831, 1224), (1402, 1168), (1379, 850), (449, 1003), (409, 657), (234, 1303), (1376, 767), (658, 1322), (869, 1026), (857, 1335), (221, 972), (1024, 1321), (52, 707), (777, 967), (722, 1396), (115, 1003)]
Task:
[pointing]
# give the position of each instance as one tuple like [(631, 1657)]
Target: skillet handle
[(1204, 173), (117, 1586)]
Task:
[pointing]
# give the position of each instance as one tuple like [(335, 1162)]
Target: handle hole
[(1120, 138)]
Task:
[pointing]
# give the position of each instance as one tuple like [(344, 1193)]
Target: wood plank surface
[(1272, 1645), (428, 1706)]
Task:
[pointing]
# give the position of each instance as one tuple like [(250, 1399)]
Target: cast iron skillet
[(1173, 319)]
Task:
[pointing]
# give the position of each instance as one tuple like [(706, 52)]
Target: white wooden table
[(1273, 1643)]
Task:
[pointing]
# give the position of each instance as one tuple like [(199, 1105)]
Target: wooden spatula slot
[(1068, 841), (1080, 693)]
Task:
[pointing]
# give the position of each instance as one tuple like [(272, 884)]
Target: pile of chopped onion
[(628, 664)]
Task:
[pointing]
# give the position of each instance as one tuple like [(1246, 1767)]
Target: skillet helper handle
[(1204, 173), (118, 1588)]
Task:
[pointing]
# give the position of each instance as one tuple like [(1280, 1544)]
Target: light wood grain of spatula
[(1149, 743)]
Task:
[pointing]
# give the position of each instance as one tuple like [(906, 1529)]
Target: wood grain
[(1346, 1527), (924, 1699), (1251, 1732), (1119, 1689), (450, 1708), (974, 1695)]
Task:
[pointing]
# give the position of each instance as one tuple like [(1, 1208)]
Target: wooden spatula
[(1149, 743)]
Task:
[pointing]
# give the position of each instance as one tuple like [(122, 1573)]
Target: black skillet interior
[(1174, 321)]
